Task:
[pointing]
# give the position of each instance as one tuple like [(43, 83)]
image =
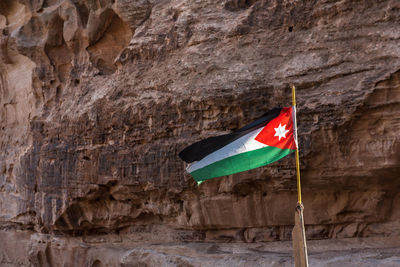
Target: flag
[(262, 142)]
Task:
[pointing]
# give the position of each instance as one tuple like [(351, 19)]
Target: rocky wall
[(97, 98)]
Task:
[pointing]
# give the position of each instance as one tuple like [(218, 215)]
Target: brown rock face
[(98, 97)]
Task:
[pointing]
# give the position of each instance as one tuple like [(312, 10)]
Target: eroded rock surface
[(98, 97), (45, 250)]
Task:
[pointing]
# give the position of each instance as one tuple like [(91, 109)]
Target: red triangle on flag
[(279, 131)]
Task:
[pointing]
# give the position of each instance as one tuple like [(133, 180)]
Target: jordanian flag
[(262, 142)]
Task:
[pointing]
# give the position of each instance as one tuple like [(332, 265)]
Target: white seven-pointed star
[(281, 131)]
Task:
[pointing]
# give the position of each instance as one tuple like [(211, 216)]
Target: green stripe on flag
[(240, 162)]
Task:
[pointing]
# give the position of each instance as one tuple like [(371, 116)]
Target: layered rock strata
[(98, 97)]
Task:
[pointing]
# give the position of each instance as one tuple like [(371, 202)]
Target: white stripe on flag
[(243, 144)]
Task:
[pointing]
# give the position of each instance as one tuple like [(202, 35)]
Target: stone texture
[(98, 97), (45, 250)]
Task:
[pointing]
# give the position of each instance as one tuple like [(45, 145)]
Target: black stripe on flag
[(199, 150)]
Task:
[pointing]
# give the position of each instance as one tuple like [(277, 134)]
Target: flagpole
[(298, 233), (297, 145)]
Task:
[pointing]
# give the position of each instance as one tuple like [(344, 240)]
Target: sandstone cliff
[(97, 97)]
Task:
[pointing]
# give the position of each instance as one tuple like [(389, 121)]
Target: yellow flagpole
[(297, 146), (298, 233)]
